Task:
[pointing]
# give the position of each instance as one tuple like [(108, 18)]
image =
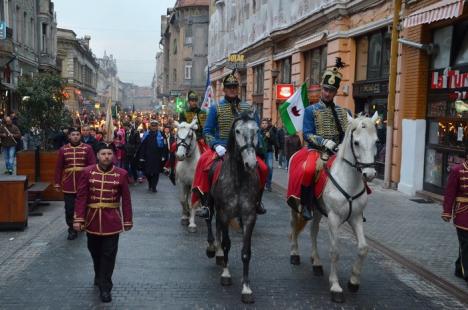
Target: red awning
[(444, 9)]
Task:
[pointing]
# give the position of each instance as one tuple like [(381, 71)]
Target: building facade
[(184, 41), (435, 77), (107, 87), (291, 42), (29, 47), (79, 69)]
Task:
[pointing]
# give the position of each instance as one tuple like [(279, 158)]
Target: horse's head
[(243, 139), (362, 137), (186, 139)]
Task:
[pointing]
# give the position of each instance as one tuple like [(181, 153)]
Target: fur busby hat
[(332, 77), (104, 145), (230, 80), (192, 95)]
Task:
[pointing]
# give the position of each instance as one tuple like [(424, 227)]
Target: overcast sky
[(128, 29)]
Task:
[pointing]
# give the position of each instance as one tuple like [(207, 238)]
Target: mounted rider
[(216, 132), (193, 110), (324, 127)]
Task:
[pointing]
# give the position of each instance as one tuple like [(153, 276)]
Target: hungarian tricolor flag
[(292, 111)]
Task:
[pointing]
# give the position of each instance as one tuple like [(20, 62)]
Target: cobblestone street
[(161, 265)]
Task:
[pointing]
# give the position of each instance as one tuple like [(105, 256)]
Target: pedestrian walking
[(9, 137), (152, 154), (131, 147), (455, 208), (71, 161), (103, 210), (269, 138), (280, 135), (87, 138)]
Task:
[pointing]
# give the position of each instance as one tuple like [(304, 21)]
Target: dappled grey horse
[(235, 195)]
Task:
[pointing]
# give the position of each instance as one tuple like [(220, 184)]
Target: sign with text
[(236, 61), (284, 91)]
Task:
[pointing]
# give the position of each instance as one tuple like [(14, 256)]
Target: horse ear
[(193, 124), (375, 117), (350, 118), (252, 111), (176, 123)]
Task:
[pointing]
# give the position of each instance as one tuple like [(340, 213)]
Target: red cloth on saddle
[(201, 179), (302, 171), (202, 145)]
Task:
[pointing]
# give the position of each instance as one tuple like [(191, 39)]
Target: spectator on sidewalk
[(292, 144), (269, 138), (280, 135), (456, 207), (9, 137)]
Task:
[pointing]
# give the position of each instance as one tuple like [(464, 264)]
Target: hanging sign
[(284, 91)]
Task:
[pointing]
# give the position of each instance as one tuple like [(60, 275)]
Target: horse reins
[(357, 165)]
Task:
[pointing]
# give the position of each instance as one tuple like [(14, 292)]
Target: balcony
[(6, 46)]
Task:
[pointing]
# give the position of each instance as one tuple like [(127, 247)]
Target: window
[(315, 64), (285, 71), (461, 44), (174, 48), (373, 56), (188, 71), (31, 31), (174, 75), (443, 38), (258, 79), (44, 38), (188, 33), (362, 49)]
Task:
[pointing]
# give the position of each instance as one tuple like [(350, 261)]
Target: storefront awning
[(444, 9)]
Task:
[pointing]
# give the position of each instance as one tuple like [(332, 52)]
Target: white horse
[(343, 200), (187, 155)]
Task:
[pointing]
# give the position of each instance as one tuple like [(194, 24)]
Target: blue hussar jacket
[(319, 124), (219, 122)]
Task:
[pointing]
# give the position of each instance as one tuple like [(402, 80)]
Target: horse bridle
[(357, 164), (183, 142), (247, 146)]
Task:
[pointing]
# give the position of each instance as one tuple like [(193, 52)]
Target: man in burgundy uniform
[(456, 208), (104, 210), (72, 159)]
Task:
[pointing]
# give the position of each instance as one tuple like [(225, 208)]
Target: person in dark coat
[(87, 138), (131, 147), (292, 144), (152, 153)]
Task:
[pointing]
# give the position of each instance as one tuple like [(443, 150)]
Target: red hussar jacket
[(456, 196)]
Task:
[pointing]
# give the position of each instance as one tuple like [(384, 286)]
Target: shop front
[(447, 126)]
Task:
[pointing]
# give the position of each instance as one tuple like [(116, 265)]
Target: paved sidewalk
[(412, 229)]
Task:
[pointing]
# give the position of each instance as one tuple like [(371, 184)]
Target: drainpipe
[(391, 93)]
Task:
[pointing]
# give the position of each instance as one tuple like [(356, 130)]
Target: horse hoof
[(295, 260), (184, 222), (219, 260), (192, 229), (248, 298), (353, 288), (337, 297), (225, 281), (318, 271), (210, 253)]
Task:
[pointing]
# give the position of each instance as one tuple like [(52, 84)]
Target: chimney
[(86, 40)]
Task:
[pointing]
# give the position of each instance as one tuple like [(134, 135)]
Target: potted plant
[(42, 115)]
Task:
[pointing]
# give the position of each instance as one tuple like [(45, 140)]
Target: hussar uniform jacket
[(456, 196), (71, 162), (319, 124), (103, 203)]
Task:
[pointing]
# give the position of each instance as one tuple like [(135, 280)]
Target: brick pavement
[(412, 229), (160, 265)]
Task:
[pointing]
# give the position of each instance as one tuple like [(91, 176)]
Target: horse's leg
[(247, 295), (314, 229), (184, 220), (211, 249), (335, 289), (356, 224), (226, 244), (192, 227), (297, 225), (219, 248)]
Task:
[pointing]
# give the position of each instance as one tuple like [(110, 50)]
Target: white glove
[(220, 150), (329, 144)]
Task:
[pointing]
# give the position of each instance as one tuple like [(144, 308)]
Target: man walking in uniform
[(103, 210), (72, 159), (456, 207)]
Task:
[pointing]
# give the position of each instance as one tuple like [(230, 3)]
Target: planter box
[(14, 202), (48, 161)]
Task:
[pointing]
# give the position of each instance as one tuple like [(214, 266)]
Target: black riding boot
[(306, 213), (260, 208), (204, 211)]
